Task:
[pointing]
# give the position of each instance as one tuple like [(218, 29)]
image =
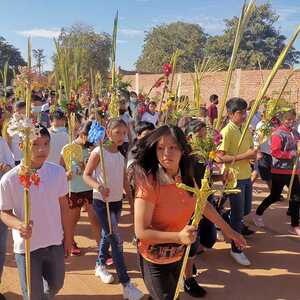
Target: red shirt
[(212, 112), (283, 152)]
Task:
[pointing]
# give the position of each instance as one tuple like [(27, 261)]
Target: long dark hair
[(146, 159), (84, 129)]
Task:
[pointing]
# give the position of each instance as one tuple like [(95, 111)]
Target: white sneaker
[(105, 276), (258, 220), (240, 258), (130, 292)]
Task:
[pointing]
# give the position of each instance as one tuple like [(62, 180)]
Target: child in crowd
[(36, 108), (212, 110), (207, 232), (49, 230), (125, 116), (114, 164), (133, 106), (142, 129), (285, 151), (162, 211), (19, 110), (80, 193), (240, 203), (256, 118), (59, 136), (151, 115), (264, 157)]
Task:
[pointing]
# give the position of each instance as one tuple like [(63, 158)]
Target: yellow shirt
[(231, 134)]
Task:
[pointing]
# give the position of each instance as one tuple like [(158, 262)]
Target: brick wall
[(245, 83)]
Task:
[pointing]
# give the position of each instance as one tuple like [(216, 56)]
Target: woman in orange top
[(162, 211)]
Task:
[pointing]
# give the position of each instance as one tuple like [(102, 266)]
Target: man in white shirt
[(49, 231)]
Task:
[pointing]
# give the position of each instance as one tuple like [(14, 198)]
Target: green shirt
[(77, 184), (231, 134)]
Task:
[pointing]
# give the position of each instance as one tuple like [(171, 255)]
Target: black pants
[(207, 236), (160, 280), (278, 183)]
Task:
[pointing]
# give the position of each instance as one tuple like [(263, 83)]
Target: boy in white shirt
[(59, 136), (49, 232)]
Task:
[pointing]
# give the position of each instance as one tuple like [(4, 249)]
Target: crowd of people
[(142, 162)]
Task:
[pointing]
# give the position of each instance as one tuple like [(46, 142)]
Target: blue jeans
[(3, 239), (47, 272), (114, 239), (240, 205)]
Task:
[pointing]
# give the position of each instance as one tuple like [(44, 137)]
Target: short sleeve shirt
[(77, 183), (212, 111), (45, 208), (231, 135), (173, 209), (151, 118)]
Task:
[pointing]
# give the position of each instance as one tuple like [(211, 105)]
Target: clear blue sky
[(42, 19)]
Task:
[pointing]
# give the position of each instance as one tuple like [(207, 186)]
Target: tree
[(39, 57), (89, 49), (10, 54), (261, 43), (163, 40)]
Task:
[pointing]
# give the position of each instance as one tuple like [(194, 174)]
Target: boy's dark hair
[(152, 102), (43, 130), (194, 126), (142, 126), (57, 115), (133, 93), (124, 94), (213, 97), (236, 104), (20, 104), (85, 128), (36, 98), (9, 93)]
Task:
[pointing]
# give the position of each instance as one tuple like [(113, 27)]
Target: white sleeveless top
[(114, 167)]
